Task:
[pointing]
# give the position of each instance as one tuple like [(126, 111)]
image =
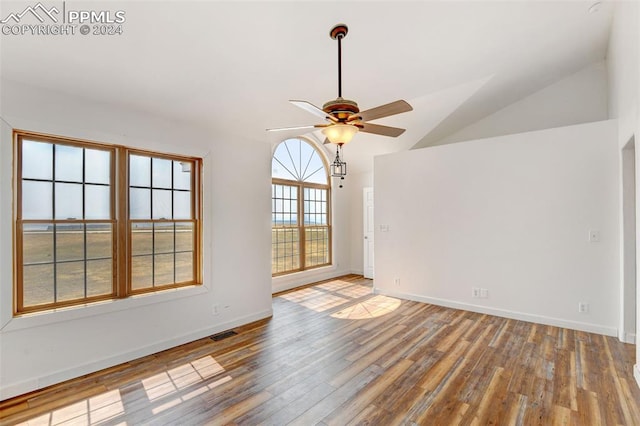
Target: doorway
[(368, 228)]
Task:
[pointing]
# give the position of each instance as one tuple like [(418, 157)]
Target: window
[(301, 222), (82, 235), (162, 228)]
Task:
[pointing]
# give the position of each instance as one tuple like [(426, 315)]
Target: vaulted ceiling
[(232, 66)]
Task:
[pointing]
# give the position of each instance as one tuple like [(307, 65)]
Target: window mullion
[(301, 227), (122, 240)]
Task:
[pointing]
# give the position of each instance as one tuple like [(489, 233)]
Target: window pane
[(184, 236), (69, 242), (68, 161), (285, 249), (316, 171), (68, 201), (37, 200), (97, 166), (38, 284), (139, 171), (316, 246), (99, 241), (163, 269), (161, 173), (282, 165), (181, 205), (182, 174), (97, 202), (69, 281), (142, 238), (37, 243), (99, 277), (141, 272), (161, 204), (184, 267), (37, 160), (163, 238), (139, 203)]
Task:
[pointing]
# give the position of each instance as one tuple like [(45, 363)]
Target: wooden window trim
[(120, 222)]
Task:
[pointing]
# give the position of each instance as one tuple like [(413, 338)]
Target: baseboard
[(636, 374), (630, 338), (15, 389), (521, 316)]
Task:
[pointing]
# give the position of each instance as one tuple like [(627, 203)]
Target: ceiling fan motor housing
[(341, 108)]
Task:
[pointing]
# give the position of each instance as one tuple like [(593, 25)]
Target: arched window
[(300, 208)]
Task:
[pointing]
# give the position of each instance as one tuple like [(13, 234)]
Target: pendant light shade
[(340, 133)]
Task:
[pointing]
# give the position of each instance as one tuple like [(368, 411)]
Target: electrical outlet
[(475, 292), (215, 310), (484, 293), (583, 307), (396, 281)]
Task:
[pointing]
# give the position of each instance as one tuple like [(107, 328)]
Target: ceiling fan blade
[(309, 107), (377, 129), (279, 129), (326, 141), (381, 111), (313, 126)]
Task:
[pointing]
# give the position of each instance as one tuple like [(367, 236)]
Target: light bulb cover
[(340, 133)]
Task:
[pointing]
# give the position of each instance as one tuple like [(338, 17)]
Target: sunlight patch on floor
[(371, 308), (355, 291), (171, 381), (334, 285), (90, 411), (302, 295), (324, 302)]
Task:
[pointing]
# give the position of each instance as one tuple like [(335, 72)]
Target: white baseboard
[(636, 374), (630, 338), (15, 389), (539, 319)]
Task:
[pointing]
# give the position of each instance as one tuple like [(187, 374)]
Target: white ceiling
[(232, 66)]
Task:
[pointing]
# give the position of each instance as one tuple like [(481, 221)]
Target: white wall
[(510, 214), (39, 350), (624, 93), (578, 98)]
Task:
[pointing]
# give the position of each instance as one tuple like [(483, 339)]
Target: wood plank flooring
[(335, 354)]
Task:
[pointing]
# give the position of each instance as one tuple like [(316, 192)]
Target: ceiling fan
[(343, 115)]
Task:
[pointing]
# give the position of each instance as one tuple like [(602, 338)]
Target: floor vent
[(223, 335)]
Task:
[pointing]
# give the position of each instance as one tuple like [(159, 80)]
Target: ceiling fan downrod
[(338, 33)]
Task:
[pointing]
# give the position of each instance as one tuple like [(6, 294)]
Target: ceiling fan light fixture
[(338, 167), (340, 133)]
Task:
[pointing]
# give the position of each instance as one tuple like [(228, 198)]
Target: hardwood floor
[(335, 354)]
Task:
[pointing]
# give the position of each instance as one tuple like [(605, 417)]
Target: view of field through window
[(67, 222), (67, 228), (162, 238), (300, 222)]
